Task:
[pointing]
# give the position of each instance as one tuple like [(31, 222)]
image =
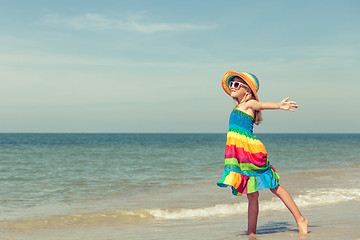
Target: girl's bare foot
[(303, 225)]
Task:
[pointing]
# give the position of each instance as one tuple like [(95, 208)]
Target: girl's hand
[(288, 105)]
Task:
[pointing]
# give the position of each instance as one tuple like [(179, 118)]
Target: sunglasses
[(236, 85)]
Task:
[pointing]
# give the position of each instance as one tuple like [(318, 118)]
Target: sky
[(138, 66)]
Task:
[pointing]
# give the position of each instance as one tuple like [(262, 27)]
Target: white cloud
[(94, 22)]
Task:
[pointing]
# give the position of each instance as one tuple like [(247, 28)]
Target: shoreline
[(335, 221)]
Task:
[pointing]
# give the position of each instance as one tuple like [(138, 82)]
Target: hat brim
[(229, 75)]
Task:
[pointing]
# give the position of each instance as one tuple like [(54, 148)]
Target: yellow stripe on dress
[(251, 145)]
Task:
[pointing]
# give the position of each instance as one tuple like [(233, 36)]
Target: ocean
[(163, 186)]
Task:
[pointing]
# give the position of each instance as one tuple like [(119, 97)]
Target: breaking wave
[(317, 197)]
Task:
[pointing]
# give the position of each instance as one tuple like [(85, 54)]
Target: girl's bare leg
[(253, 211), (291, 205)]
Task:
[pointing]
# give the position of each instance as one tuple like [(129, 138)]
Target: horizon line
[(174, 133)]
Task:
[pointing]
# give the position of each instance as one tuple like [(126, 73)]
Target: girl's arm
[(284, 105)]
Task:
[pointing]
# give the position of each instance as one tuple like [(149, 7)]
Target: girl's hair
[(258, 117), (257, 114)]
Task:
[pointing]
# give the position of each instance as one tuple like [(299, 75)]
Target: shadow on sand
[(275, 227)]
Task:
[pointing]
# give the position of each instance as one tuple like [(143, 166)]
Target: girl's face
[(241, 90)]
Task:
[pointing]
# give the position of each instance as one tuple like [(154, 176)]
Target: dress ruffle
[(247, 168)]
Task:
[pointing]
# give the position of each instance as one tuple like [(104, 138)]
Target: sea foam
[(310, 198), (319, 197)]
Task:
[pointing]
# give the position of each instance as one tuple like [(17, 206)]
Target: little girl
[(247, 168)]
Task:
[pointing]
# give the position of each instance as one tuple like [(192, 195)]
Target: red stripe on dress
[(258, 159)]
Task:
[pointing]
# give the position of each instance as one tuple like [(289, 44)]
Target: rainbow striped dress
[(247, 167)]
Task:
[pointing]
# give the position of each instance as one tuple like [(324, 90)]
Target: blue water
[(57, 170)]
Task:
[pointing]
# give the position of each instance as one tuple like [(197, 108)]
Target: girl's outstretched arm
[(284, 105)]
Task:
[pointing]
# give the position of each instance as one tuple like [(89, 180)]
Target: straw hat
[(250, 79)]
